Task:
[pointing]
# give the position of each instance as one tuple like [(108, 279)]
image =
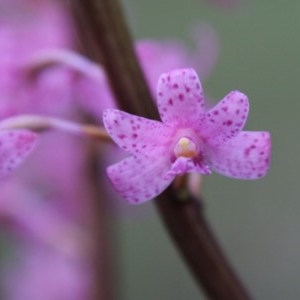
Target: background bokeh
[(257, 222)]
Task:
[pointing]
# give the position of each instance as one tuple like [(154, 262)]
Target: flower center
[(185, 147)]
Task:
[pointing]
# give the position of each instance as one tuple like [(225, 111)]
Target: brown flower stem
[(105, 285), (180, 211), (103, 20)]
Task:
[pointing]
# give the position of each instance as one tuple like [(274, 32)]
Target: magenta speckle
[(228, 122), (225, 108)]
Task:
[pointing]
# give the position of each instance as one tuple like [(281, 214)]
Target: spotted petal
[(226, 119), (135, 134), (180, 98), (15, 145), (140, 178), (247, 156)]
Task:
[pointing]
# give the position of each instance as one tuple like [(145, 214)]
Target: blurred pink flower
[(41, 273), (45, 215), (155, 57), (15, 145), (189, 139), (50, 257), (26, 28), (58, 174)]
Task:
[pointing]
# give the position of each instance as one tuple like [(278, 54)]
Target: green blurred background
[(257, 222)]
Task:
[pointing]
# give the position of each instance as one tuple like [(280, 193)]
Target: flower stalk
[(39, 123)]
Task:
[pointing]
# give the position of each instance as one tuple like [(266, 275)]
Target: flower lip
[(185, 147)]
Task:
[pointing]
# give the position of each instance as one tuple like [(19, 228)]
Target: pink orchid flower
[(189, 139), (15, 145)]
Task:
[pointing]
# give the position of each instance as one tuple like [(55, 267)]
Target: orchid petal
[(15, 145), (180, 97), (135, 134), (247, 156), (140, 178), (225, 120)]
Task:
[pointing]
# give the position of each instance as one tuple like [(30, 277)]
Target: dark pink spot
[(216, 112), (237, 111), (247, 151), (228, 123), (181, 97), (175, 86), (170, 101), (187, 89), (225, 108), (134, 135), (122, 136)]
